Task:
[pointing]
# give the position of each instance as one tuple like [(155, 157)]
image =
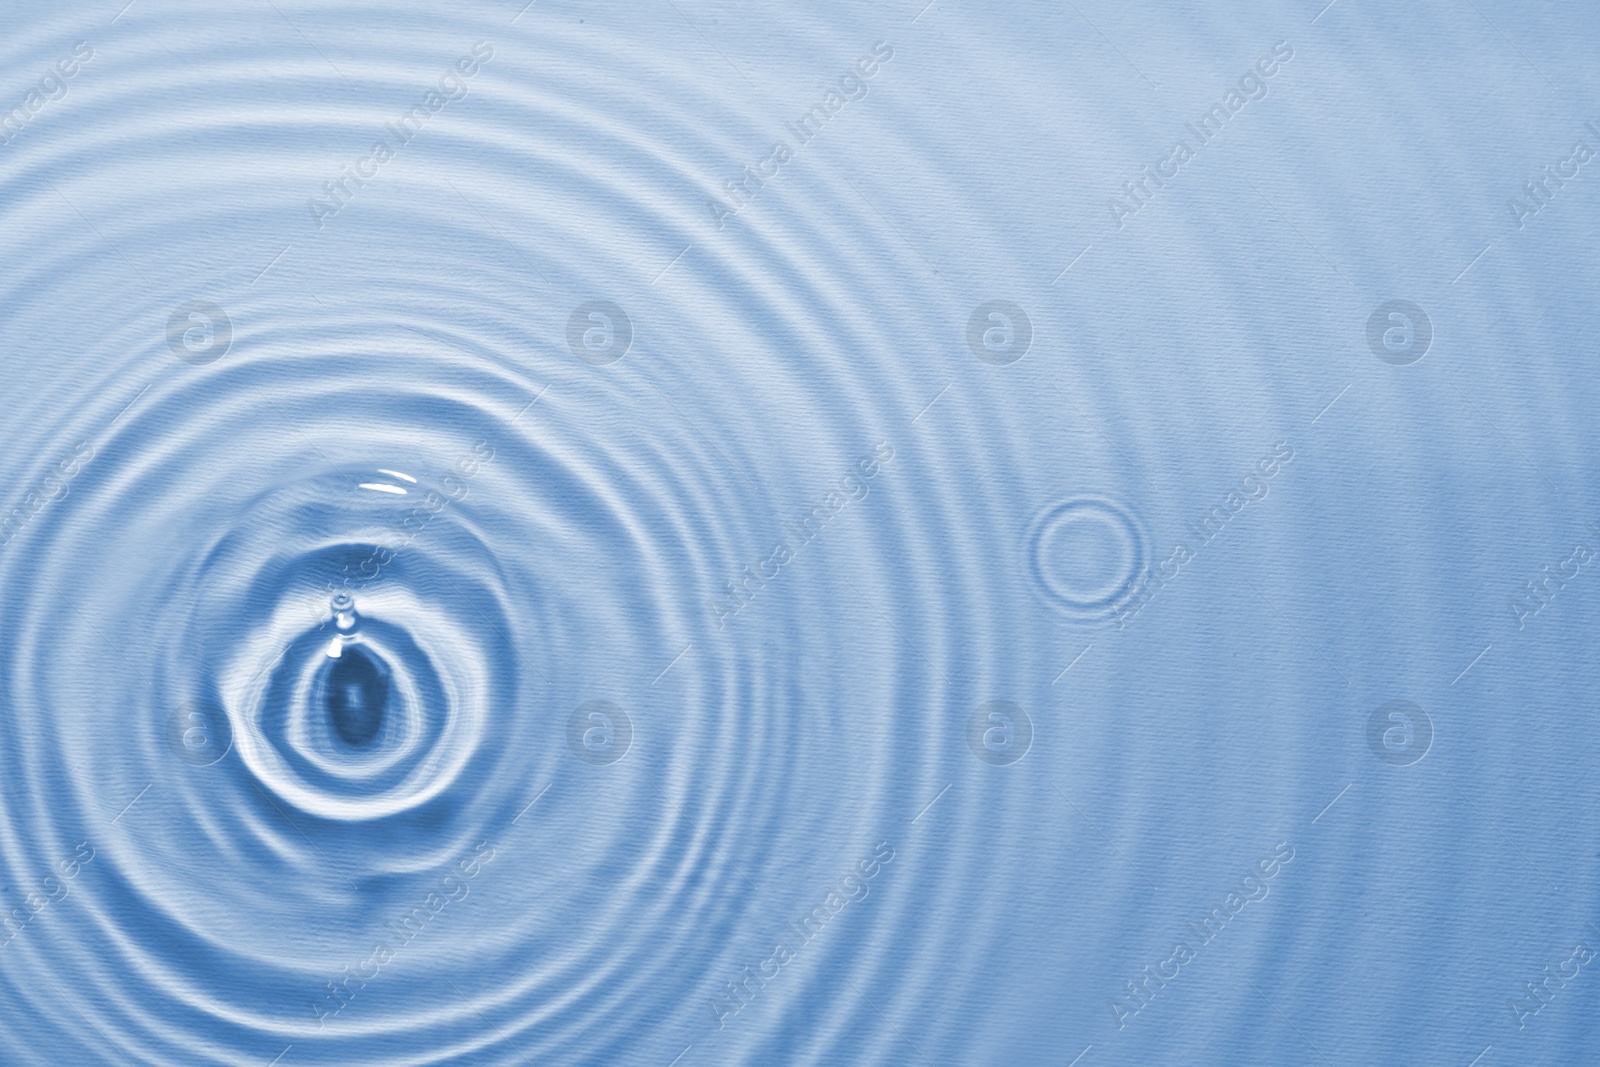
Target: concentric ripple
[(1088, 555), (432, 713), (579, 585)]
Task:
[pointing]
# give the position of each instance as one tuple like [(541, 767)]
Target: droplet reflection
[(355, 691)]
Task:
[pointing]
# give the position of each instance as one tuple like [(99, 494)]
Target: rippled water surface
[(835, 534)]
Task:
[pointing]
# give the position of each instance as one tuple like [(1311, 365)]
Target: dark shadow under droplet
[(356, 690)]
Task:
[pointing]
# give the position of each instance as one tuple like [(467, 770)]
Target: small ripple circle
[(1086, 555)]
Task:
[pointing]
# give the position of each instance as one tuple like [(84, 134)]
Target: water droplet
[(345, 618)]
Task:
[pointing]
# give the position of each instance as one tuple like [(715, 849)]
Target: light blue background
[(772, 750)]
